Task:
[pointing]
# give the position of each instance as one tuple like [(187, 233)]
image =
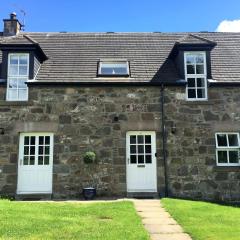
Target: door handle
[(21, 161), (128, 160)]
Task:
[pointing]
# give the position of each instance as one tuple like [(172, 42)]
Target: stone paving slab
[(172, 236), (158, 222), (163, 228)]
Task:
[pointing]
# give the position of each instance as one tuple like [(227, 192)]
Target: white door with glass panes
[(35, 163), (141, 161)]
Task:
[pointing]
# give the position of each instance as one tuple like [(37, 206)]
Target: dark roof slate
[(74, 56)]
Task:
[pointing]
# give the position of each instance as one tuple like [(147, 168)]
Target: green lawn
[(95, 221), (205, 221)]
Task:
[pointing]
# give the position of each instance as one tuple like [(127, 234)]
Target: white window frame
[(196, 76), (227, 148), (113, 62), (17, 76)]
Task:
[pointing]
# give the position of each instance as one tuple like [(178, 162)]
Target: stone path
[(158, 222)]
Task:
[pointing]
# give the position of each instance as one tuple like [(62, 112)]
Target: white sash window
[(227, 149), (18, 72), (196, 75)]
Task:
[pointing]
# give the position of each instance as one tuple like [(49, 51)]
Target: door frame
[(20, 154), (143, 132)]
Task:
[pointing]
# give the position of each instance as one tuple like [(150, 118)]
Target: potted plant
[(89, 159)]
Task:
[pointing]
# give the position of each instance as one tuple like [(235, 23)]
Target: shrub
[(89, 157)]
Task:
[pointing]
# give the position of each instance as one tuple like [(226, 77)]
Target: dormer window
[(113, 68), (18, 74), (195, 75)]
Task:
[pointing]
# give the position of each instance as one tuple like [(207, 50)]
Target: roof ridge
[(30, 39)]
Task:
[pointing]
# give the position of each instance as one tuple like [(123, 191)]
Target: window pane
[(13, 70), (114, 68), (12, 94), (191, 82), (23, 59), (201, 93), (233, 140), (26, 140), (120, 70), (47, 140), (40, 160), (26, 150), (148, 158), (222, 140), (22, 93), (22, 83), (148, 149), (233, 157), (191, 93), (32, 141), (148, 139), (25, 160), (190, 59), (133, 139), (133, 149), (47, 150), (12, 83), (140, 149), (133, 159), (190, 69), (201, 82), (199, 69), (140, 159), (32, 150), (13, 59), (199, 58), (222, 157), (23, 70), (41, 142), (32, 160), (46, 160), (40, 150), (140, 139)]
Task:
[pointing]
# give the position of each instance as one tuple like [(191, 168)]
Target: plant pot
[(89, 193)]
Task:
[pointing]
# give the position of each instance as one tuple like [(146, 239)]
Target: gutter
[(164, 142), (103, 83)]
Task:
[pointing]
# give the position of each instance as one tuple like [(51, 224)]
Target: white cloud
[(229, 26)]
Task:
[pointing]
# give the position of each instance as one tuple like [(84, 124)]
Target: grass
[(205, 221), (95, 221)]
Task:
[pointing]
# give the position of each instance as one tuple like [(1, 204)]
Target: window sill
[(14, 103), (227, 168), (197, 102)]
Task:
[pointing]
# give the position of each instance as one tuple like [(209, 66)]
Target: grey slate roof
[(74, 56)]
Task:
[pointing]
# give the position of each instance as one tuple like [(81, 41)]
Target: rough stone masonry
[(97, 118)]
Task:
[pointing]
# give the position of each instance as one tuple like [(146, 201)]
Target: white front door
[(141, 161), (35, 163)]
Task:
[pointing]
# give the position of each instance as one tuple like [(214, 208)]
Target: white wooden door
[(35, 163), (141, 161)]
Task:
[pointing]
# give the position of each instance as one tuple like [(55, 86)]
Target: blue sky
[(123, 15)]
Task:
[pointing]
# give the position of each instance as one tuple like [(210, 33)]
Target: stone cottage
[(161, 111)]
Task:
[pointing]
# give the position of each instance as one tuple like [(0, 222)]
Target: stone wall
[(191, 150), (82, 119), (97, 118)]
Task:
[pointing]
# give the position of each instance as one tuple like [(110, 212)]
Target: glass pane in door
[(140, 149), (29, 150)]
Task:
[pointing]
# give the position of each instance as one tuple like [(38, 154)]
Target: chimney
[(11, 26)]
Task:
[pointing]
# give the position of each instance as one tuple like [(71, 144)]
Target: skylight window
[(110, 68)]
